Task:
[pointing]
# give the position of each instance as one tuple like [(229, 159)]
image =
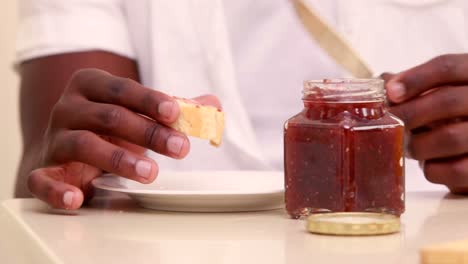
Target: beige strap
[(331, 41)]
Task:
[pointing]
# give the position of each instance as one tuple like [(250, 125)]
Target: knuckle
[(451, 101), (82, 138), (404, 113), (81, 77), (110, 118), (446, 64), (148, 103), (78, 142), (453, 137), (119, 85), (151, 135), (63, 112), (78, 75), (116, 159)]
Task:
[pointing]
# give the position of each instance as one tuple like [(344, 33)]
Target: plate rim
[(97, 183)]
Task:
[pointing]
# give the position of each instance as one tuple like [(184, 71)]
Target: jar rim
[(344, 89), (370, 81)]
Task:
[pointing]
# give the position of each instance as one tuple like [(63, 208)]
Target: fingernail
[(68, 199), (166, 109), (397, 91), (174, 144), (143, 168)]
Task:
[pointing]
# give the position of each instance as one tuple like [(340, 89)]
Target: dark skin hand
[(83, 114), (432, 100)]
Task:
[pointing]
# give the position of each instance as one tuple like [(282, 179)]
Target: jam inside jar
[(344, 151)]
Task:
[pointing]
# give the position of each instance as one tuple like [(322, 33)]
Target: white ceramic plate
[(222, 191)]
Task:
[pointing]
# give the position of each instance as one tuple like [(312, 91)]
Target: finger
[(100, 86), (127, 145), (441, 142), (117, 121), (87, 147), (58, 194), (209, 100), (443, 70), (451, 172), (443, 103)]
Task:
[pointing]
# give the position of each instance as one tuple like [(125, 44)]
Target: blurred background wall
[(10, 143)]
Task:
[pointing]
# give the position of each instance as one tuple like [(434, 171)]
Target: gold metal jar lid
[(353, 224)]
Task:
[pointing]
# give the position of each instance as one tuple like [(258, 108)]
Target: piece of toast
[(455, 252), (202, 121)]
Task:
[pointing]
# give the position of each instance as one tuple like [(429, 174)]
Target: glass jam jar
[(344, 151)]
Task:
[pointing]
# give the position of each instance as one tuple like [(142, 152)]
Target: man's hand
[(432, 100), (96, 126), (100, 123)]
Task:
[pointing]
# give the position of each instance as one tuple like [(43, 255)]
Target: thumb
[(45, 184), (440, 71), (209, 99)]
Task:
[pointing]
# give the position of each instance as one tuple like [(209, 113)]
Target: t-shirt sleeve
[(48, 27)]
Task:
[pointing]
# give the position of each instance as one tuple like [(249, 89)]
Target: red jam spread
[(344, 151)]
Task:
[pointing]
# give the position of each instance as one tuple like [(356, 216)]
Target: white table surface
[(115, 230)]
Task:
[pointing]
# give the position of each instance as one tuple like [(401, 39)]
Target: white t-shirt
[(272, 55), (271, 52)]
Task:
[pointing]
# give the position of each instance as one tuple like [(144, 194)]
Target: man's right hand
[(103, 123)]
